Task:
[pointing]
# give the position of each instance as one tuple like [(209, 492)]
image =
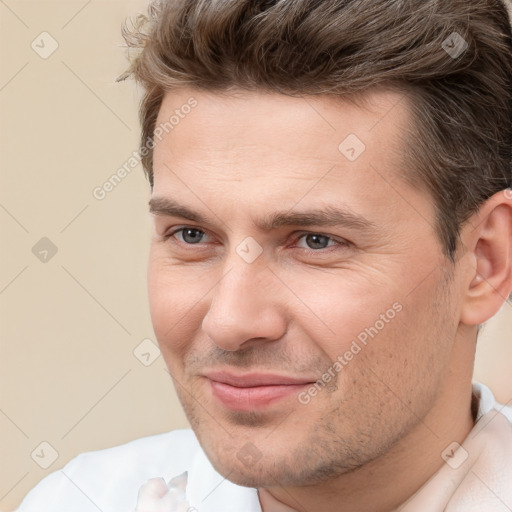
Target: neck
[(387, 482)]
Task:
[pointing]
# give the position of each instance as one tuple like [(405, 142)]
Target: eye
[(317, 241), (188, 235)]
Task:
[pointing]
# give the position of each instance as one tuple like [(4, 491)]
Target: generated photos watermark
[(100, 192), (357, 345)]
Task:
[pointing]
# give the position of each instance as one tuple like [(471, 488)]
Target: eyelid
[(170, 233), (340, 242)]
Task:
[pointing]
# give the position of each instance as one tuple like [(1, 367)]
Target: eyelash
[(299, 236)]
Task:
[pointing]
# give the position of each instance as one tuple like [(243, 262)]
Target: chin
[(248, 476), (263, 472)]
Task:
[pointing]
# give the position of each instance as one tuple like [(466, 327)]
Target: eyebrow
[(327, 216)]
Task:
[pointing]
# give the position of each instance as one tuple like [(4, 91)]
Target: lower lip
[(248, 399)]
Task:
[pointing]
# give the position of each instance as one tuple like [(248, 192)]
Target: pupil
[(191, 236), (317, 241)]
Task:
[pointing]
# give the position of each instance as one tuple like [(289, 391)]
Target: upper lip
[(253, 379)]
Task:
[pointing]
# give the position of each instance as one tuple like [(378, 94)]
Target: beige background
[(70, 325)]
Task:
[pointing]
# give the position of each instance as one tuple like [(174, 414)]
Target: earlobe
[(489, 266)]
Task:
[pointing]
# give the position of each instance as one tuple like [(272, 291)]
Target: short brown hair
[(460, 148)]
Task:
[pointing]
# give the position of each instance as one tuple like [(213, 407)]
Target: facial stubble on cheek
[(335, 433), (344, 426), (223, 437), (307, 444)]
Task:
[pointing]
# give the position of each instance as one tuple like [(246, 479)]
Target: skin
[(375, 433)]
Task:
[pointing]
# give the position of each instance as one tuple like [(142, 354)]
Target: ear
[(487, 262)]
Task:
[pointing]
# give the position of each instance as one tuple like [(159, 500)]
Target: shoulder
[(487, 469), (109, 479)]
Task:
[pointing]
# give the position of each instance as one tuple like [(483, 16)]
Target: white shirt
[(109, 480)]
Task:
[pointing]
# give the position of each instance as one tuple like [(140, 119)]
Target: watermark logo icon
[(44, 455), (249, 455), (352, 147), (454, 45), (44, 250), (454, 455), (146, 352), (249, 249), (44, 45)]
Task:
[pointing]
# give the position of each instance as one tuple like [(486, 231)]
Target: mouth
[(253, 391)]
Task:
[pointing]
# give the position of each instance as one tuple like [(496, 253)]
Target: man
[(332, 224)]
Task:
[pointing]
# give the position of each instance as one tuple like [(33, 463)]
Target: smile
[(253, 391)]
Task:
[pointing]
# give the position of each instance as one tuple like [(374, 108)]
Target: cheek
[(411, 351), (348, 307), (175, 302), (373, 322)]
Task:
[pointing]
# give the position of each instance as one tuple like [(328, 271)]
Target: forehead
[(251, 125), (273, 151)]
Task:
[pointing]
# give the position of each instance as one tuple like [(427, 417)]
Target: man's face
[(259, 297)]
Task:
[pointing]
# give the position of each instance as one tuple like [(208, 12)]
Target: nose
[(244, 307)]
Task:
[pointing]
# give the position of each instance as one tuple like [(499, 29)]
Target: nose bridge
[(243, 305), (242, 289), (244, 275)]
